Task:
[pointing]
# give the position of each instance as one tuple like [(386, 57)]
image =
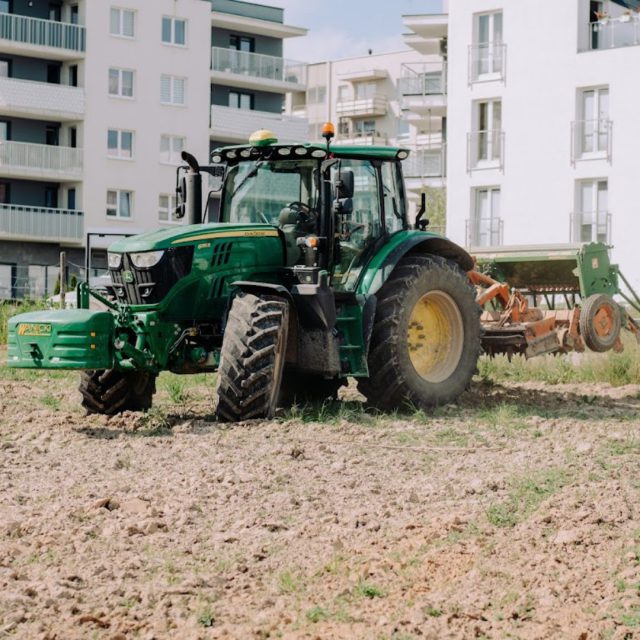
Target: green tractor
[(308, 274)]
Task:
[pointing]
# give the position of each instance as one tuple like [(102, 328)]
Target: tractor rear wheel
[(252, 358), (110, 391), (426, 337)]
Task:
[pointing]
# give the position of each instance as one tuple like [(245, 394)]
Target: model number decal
[(34, 330)]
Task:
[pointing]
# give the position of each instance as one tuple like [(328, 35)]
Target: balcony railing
[(41, 158), (429, 162), (374, 106), (258, 65), (423, 79), (484, 232), (44, 33), (590, 226), (369, 138), (487, 61), (41, 99), (23, 221), (611, 33), (485, 150), (591, 139), (239, 124)]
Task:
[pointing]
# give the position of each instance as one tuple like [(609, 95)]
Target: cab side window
[(394, 213), (358, 230)]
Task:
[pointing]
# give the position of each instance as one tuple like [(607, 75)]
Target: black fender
[(258, 288)]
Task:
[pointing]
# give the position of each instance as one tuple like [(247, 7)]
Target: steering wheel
[(303, 209)]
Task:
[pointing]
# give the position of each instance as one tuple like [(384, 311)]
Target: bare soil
[(511, 515)]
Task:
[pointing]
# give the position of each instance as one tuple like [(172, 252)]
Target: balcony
[(365, 138), (236, 125), (487, 62), (35, 37), (591, 140), (257, 71), (41, 100), (423, 87), (425, 166), (590, 226), (611, 33), (485, 150), (484, 232), (39, 224), (363, 107), (40, 161)]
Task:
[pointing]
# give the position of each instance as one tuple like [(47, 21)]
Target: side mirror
[(343, 206), (344, 184)]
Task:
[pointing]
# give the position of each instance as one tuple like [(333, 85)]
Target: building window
[(119, 143), (365, 90), (486, 140), (238, 100), (74, 14), (167, 204), (55, 12), (170, 149), (121, 83), (5, 6), (119, 203), (173, 90), (122, 23), (592, 129), (5, 130), (73, 75), (316, 95), (5, 193), (174, 31), (364, 128), (592, 220), (5, 68), (51, 196), (71, 199), (485, 226), (487, 51), (242, 43)]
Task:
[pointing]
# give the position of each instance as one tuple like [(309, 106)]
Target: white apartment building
[(97, 101), (542, 111)]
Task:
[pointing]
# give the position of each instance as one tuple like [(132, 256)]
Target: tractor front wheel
[(252, 358), (110, 391), (426, 337)]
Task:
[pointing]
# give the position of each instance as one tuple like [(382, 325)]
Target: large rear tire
[(426, 337), (252, 358), (110, 391)]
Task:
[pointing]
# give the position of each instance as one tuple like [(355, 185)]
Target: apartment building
[(80, 83), (97, 102), (540, 142)]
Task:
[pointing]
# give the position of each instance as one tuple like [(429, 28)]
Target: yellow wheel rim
[(434, 336)]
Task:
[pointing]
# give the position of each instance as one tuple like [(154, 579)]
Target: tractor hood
[(193, 234)]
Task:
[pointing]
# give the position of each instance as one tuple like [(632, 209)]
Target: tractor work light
[(147, 259), (328, 131), (402, 154), (114, 260)]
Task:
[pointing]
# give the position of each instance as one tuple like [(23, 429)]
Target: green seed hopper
[(552, 298)]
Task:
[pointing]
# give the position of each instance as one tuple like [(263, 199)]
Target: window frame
[(171, 137), (121, 73), (119, 134), (172, 202), (172, 80), (117, 209), (121, 11), (172, 42)]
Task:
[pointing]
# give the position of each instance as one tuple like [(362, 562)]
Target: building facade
[(541, 151), (97, 102)]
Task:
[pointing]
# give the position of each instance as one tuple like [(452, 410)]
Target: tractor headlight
[(115, 260), (147, 259)]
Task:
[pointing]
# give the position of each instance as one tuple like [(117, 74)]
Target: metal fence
[(45, 33)]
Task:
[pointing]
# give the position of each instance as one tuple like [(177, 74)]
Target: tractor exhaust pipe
[(192, 190)]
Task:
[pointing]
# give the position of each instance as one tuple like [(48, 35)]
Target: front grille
[(150, 286)]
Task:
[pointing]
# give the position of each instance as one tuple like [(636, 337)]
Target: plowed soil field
[(514, 514)]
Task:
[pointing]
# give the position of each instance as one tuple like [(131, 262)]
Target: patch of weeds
[(621, 585), (317, 614), (452, 436), (433, 612), (128, 603), (368, 590), (206, 618), (624, 447), (525, 496), (50, 401), (155, 423), (176, 388), (288, 583), (331, 413), (631, 617)]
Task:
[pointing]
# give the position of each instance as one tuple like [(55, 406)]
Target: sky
[(347, 28)]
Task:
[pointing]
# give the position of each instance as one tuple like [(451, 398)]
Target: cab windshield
[(262, 191)]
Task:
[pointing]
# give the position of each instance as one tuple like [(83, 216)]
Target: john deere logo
[(34, 330), (128, 277)]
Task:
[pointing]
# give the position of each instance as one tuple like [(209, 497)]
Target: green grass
[(525, 495), (368, 590), (317, 614)]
